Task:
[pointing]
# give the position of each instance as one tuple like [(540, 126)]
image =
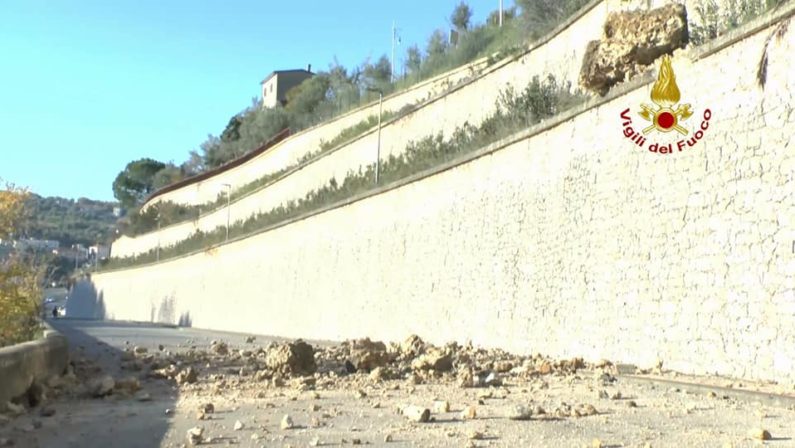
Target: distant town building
[(117, 212), (278, 83)]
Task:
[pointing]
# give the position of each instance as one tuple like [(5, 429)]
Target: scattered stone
[(6, 442), (368, 355), (140, 350), (297, 358), (315, 441), (632, 404), (238, 425), (435, 360), (195, 435), (474, 435), (47, 411), (143, 396), (596, 443), (520, 412), (287, 422), (169, 411), (538, 410), (356, 441), (417, 413), (187, 376), (219, 348), (161, 347), (360, 393), (102, 386), (314, 407), (250, 339), (441, 406), (603, 395), (469, 413), (207, 408), (616, 395), (759, 434)]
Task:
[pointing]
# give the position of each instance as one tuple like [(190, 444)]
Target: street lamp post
[(228, 204), (378, 148)]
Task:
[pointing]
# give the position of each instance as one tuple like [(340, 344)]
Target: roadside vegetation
[(515, 110), (714, 19), (20, 278)]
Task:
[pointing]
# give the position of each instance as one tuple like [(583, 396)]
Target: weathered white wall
[(573, 242), (561, 56)]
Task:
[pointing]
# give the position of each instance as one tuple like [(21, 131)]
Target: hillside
[(82, 221)]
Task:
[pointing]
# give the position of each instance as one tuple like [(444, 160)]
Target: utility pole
[(158, 235), (500, 13)]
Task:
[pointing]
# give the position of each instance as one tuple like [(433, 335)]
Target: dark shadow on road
[(115, 421)]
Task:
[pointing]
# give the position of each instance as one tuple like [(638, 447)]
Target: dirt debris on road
[(368, 392)]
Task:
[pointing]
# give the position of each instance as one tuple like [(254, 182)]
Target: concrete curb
[(35, 361)]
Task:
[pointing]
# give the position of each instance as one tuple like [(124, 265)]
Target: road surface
[(336, 409)]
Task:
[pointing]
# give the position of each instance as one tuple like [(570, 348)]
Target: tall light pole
[(228, 204), (500, 12), (378, 148)]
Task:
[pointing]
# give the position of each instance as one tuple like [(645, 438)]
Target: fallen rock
[(238, 425), (287, 422), (187, 376), (47, 411), (412, 347), (440, 406), (469, 413), (140, 350), (297, 358), (367, 355), (250, 339), (520, 412), (102, 386), (631, 41), (207, 408), (417, 413), (220, 348), (759, 434), (435, 360), (195, 435)]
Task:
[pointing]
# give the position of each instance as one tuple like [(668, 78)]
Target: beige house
[(278, 83)]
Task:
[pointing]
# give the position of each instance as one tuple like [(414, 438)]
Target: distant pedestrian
[(55, 312)]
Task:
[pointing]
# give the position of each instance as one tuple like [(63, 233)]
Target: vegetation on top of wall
[(515, 111), (714, 19), (339, 90)]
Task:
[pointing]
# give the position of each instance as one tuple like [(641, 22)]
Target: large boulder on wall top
[(631, 41)]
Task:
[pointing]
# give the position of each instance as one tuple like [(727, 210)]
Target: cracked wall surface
[(571, 242)]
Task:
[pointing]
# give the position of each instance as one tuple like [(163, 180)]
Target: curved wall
[(567, 240)]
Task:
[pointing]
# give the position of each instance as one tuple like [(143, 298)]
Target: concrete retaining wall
[(568, 240), (559, 54), (36, 361)]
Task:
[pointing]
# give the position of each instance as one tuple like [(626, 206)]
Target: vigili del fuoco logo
[(666, 116)]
